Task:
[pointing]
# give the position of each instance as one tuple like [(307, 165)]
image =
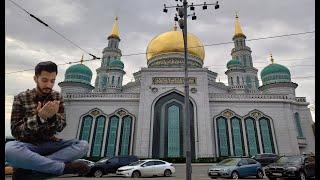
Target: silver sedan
[(148, 167)]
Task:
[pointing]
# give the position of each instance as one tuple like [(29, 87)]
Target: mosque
[(145, 117)]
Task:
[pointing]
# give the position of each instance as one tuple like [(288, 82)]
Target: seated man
[(37, 115)]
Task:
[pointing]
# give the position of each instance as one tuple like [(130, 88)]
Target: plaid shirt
[(26, 125)]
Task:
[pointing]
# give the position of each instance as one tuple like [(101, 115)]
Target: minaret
[(242, 53), (109, 53)]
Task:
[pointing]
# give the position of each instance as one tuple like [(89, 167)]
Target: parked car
[(90, 163), (8, 169), (298, 166), (110, 165), (149, 167), (266, 158), (235, 168)]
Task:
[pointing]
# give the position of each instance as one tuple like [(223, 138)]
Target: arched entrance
[(168, 127)]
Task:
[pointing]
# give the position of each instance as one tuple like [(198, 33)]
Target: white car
[(148, 167)]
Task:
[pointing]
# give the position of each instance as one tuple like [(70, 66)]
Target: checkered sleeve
[(23, 125)]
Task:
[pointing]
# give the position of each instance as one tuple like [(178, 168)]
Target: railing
[(301, 99), (248, 96), (237, 87), (102, 95)]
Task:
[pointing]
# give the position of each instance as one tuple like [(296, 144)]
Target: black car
[(298, 166), (266, 158), (110, 165)]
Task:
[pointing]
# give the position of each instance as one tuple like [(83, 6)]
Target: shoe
[(76, 168)]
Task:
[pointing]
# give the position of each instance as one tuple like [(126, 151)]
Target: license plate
[(277, 174), (213, 173)]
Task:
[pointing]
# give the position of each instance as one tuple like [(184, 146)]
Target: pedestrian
[(37, 116)]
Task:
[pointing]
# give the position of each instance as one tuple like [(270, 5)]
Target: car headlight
[(291, 168)]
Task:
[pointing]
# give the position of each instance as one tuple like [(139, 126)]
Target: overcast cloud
[(88, 23)]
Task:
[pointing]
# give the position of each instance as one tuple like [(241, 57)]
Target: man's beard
[(44, 90)]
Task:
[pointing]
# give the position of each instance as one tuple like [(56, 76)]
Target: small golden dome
[(172, 42)]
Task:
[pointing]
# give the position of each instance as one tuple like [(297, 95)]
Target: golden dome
[(172, 42)]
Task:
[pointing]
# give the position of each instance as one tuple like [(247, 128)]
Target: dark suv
[(266, 158), (298, 166), (110, 165)]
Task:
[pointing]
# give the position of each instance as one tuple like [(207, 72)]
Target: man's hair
[(48, 66)]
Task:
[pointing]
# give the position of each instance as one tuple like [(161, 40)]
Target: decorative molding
[(95, 112), (227, 114), (172, 80), (193, 90)]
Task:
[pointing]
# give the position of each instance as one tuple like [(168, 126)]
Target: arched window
[(86, 128), (125, 136), (266, 135), (252, 138), (238, 81), (248, 81), (98, 136), (223, 138), (231, 81), (237, 138), (118, 81), (112, 136), (112, 81), (173, 131), (298, 125)]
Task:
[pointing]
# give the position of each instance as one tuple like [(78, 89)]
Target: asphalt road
[(199, 172)]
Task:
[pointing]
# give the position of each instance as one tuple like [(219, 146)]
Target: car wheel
[(136, 174), (97, 173), (234, 175), (167, 173), (302, 176), (259, 174)]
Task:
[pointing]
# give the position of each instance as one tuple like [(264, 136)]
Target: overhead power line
[(45, 24)]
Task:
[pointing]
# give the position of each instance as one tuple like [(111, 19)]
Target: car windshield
[(136, 163), (290, 159), (103, 160), (229, 162)]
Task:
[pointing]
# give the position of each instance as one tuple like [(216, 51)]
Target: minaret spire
[(81, 59), (115, 29), (271, 58), (238, 30)]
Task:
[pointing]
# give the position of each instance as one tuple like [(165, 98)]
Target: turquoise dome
[(233, 62), (116, 64), (274, 73), (78, 73)]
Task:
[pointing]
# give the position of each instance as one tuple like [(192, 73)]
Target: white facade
[(145, 117)]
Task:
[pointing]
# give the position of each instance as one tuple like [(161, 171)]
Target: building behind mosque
[(145, 117)]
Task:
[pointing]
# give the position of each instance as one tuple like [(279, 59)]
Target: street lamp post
[(183, 14)]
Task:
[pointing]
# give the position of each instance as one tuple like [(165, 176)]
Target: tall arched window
[(118, 81), (125, 135), (266, 135), (86, 128), (237, 139), (173, 131), (238, 81), (98, 136), (231, 81), (252, 138), (298, 125), (112, 136), (112, 81), (223, 138), (248, 81)]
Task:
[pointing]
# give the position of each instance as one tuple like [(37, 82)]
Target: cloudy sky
[(88, 23)]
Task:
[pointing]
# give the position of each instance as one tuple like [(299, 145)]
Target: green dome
[(78, 73), (116, 64), (233, 62), (274, 73)]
